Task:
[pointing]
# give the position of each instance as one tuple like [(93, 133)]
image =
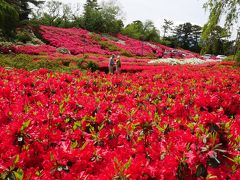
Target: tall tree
[(23, 7), (56, 13), (8, 18), (49, 13), (167, 26), (134, 29), (104, 18), (196, 37), (187, 36), (111, 16), (183, 32), (217, 41), (91, 15), (237, 47), (144, 31), (219, 8), (151, 33)]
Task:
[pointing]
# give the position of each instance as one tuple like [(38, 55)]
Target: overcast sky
[(179, 11)]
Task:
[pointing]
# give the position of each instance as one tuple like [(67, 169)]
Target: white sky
[(179, 11)]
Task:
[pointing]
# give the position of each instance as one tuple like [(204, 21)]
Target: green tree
[(134, 29), (183, 32), (170, 41), (104, 18), (8, 18), (23, 8), (237, 47), (92, 17), (111, 17), (167, 26), (188, 36), (151, 33), (53, 13), (144, 31), (217, 41), (196, 37), (219, 8)]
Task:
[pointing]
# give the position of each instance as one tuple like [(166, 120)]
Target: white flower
[(174, 61)]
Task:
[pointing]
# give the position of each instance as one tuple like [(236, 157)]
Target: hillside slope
[(80, 41)]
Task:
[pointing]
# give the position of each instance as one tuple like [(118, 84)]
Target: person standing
[(118, 64), (111, 64)]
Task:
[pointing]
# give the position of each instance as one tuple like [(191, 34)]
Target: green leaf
[(191, 125), (237, 160), (26, 108), (100, 127), (229, 136), (227, 125), (61, 107), (127, 165), (211, 176), (16, 159), (117, 165), (25, 125), (156, 117), (214, 137), (67, 97), (51, 157), (238, 139), (67, 120), (38, 173), (84, 145), (196, 118), (74, 144), (91, 128), (18, 174), (76, 125)]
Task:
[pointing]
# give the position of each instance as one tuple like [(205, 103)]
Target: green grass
[(230, 58), (33, 62)]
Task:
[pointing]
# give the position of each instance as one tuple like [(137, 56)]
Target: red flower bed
[(6, 50), (76, 40), (134, 46), (35, 50), (103, 60), (170, 122)]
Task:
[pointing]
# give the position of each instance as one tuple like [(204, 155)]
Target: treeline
[(100, 18), (107, 18), (189, 36)]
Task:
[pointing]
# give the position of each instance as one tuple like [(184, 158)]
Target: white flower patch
[(174, 61)]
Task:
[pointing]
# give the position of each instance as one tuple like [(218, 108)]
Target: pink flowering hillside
[(80, 41)]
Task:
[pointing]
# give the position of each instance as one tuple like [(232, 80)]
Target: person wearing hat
[(111, 64)]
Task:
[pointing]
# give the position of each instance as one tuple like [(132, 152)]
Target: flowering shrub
[(76, 40), (134, 46), (6, 47), (169, 122), (35, 50)]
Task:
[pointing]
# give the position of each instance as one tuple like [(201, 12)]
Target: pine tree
[(91, 15), (23, 8), (8, 18)]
